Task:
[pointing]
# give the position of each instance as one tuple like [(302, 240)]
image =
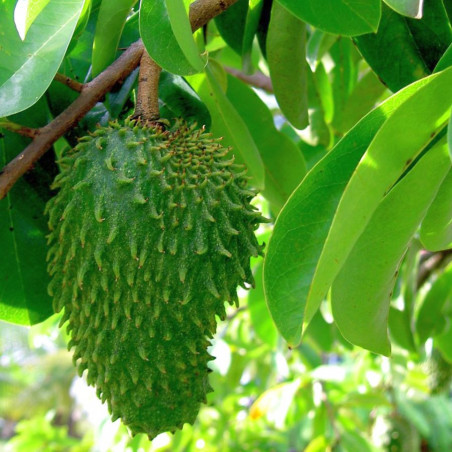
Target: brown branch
[(257, 79), (201, 11), (69, 82), (18, 128), (147, 106), (431, 264)]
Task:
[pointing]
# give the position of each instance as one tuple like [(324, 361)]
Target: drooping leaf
[(304, 223), (29, 66), (431, 310), (159, 39), (344, 75), (183, 33), (360, 101), (436, 229), (283, 162), (25, 13), (231, 24), (409, 8), (227, 123), (405, 50), (421, 117), (110, 23), (341, 17), (361, 292), (286, 55), (251, 26)]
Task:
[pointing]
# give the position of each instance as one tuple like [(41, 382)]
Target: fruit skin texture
[(151, 231)]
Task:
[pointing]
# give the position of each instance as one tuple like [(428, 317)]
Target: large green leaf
[(23, 227), (431, 310), (304, 223), (286, 55), (25, 13), (232, 23), (227, 123), (410, 8), (342, 17), (110, 23), (156, 29), (445, 61), (420, 117), (362, 290), (283, 161), (405, 50), (436, 229), (28, 67)]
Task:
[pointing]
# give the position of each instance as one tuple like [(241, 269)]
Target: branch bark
[(201, 11), (73, 84), (257, 79)]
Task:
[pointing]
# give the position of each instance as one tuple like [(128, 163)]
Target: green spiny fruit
[(151, 232)]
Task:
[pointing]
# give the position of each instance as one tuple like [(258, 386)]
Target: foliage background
[(306, 135)]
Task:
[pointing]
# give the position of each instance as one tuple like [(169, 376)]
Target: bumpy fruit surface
[(151, 232)]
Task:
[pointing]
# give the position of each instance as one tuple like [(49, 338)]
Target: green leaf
[(344, 75), (231, 25), (318, 44), (283, 161), (25, 13), (286, 55), (445, 61), (159, 39), (182, 31), (227, 123), (405, 50), (180, 101), (29, 66), (361, 100), (23, 227), (110, 23), (431, 310), (444, 343), (260, 317), (409, 8), (304, 223), (251, 26), (361, 292), (341, 17), (436, 229), (421, 117)]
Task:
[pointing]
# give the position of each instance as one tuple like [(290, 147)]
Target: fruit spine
[(151, 231)]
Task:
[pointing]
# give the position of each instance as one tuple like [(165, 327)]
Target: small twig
[(73, 84), (201, 11), (18, 128), (432, 263), (257, 79), (147, 106)]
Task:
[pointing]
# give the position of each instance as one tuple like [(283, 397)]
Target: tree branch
[(257, 79), (73, 84), (18, 128), (201, 11)]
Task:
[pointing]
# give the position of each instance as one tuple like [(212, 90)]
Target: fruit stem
[(147, 106)]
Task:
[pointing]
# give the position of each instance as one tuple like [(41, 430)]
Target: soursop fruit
[(151, 232)]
